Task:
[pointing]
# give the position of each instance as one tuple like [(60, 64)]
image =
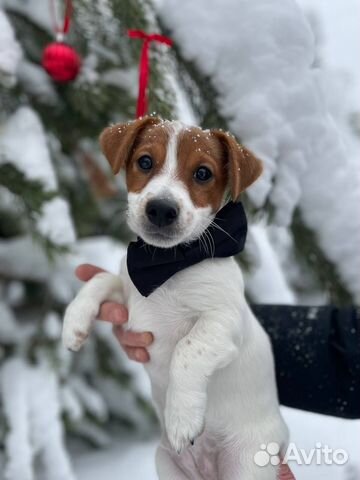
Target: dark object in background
[(317, 357)]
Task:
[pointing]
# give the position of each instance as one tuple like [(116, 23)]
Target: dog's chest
[(164, 314), (172, 309)]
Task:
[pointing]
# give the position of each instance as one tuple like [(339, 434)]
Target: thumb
[(86, 271)]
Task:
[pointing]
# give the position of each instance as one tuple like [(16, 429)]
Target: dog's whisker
[(201, 240), (201, 245), (206, 236), (215, 225), (213, 243)]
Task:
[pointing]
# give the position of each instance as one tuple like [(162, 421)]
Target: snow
[(306, 429), (8, 327), (339, 31), (129, 459), (46, 423), (90, 398), (23, 142), (36, 82), (15, 293), (35, 428), (16, 410), (38, 11), (15, 261), (55, 222), (52, 325), (266, 282), (70, 404), (184, 110), (104, 250), (10, 50), (31, 156), (124, 78)]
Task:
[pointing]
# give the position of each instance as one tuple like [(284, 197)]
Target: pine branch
[(32, 195), (307, 248), (31, 192)]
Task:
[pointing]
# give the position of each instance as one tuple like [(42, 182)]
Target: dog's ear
[(243, 167), (118, 140)]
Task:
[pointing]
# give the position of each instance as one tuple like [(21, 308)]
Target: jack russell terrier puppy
[(211, 367)]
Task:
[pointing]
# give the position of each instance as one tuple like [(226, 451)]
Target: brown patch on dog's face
[(117, 142), (152, 142), (243, 166), (198, 148), (229, 162)]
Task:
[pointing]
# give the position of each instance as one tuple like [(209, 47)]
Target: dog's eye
[(145, 162), (202, 174)]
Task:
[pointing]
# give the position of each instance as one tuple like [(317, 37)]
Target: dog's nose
[(162, 212)]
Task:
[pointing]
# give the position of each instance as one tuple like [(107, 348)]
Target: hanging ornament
[(59, 59), (144, 68)]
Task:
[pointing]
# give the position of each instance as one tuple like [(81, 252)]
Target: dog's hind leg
[(82, 311), (235, 464)]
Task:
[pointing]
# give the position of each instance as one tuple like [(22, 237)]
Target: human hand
[(133, 343)]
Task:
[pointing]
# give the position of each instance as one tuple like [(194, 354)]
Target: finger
[(85, 271), (114, 313), (138, 354), (285, 473), (127, 338)]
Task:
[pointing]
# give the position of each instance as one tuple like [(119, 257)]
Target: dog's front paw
[(184, 418), (78, 320)]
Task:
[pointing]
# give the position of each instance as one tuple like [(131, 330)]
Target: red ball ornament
[(61, 62)]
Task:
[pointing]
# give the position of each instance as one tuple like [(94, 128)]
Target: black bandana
[(149, 267)]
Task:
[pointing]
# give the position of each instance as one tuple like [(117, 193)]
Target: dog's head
[(177, 176)]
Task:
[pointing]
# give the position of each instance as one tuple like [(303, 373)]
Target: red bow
[(64, 29), (142, 103)]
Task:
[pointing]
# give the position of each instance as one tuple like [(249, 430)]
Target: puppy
[(211, 367)]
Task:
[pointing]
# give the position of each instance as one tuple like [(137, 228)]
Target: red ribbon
[(67, 17), (142, 103)]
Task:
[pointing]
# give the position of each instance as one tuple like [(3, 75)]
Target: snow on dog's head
[(177, 176)]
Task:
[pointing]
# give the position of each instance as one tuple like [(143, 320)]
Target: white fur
[(211, 367)]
